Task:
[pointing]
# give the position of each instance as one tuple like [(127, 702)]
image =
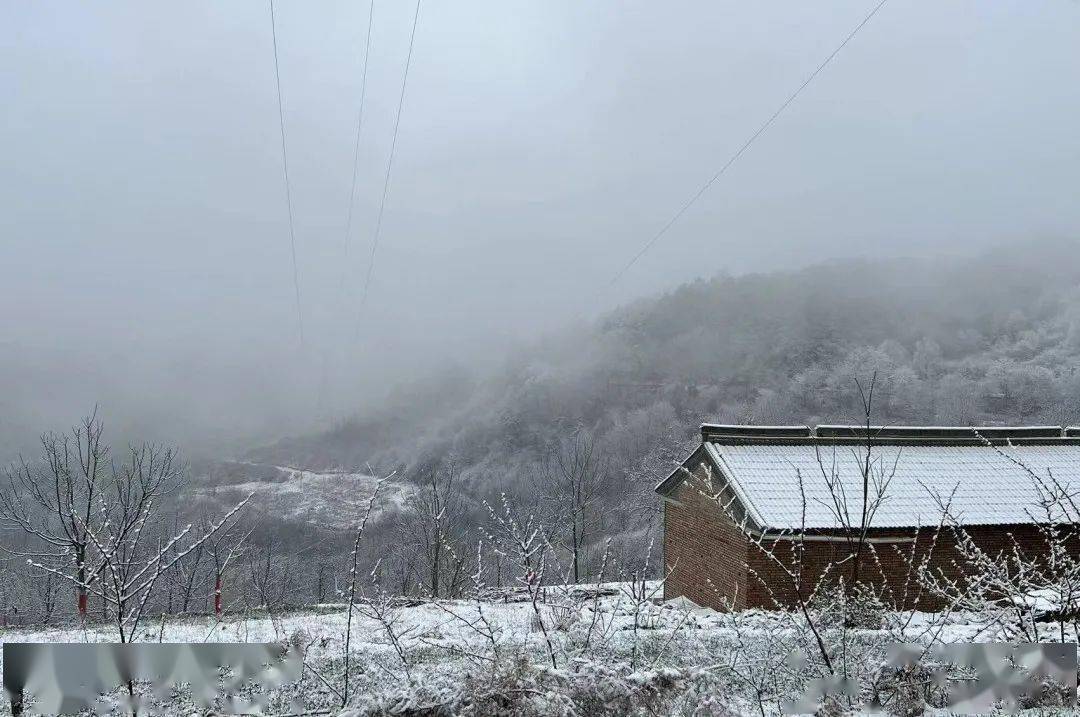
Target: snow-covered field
[(332, 500), (583, 651)]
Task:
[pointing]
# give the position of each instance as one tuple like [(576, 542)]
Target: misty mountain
[(991, 338)]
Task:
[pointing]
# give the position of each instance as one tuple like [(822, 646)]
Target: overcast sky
[(144, 242)]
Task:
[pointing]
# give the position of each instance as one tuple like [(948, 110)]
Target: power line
[(389, 163), (352, 197), (761, 130), (356, 144), (285, 167)]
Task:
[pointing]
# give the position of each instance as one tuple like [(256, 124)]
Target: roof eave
[(667, 486), (757, 521), (706, 450)]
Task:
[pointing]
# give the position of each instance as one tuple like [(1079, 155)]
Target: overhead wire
[(285, 167), (389, 168), (356, 143), (745, 145), (346, 243)]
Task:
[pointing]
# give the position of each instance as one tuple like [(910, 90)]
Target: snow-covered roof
[(987, 484)]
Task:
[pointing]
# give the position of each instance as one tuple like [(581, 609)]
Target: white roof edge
[(669, 476), (991, 489), (659, 487), (754, 426), (744, 498), (862, 426)]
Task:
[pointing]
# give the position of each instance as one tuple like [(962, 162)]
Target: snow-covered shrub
[(299, 640), (909, 690), (861, 607), (521, 688), (562, 617)]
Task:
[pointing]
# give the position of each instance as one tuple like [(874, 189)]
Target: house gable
[(705, 552)]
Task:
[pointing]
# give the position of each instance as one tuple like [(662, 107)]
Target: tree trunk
[(575, 543), (80, 560), (435, 569)]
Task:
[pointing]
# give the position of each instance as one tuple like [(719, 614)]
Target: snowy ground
[(420, 659), (333, 500)]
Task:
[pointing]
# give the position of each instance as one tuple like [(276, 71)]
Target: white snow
[(332, 499), (989, 487), (675, 638)]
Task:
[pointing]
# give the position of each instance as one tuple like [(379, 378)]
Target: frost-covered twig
[(352, 583)]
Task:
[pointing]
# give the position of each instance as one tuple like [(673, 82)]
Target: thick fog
[(144, 239)]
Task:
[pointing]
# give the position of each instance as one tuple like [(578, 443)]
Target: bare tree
[(270, 573), (56, 500), (573, 482), (122, 542), (523, 543), (432, 530), (353, 582), (224, 547), (875, 475), (122, 570), (95, 520), (644, 448)]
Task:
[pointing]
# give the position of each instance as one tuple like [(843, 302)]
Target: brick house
[(748, 487)]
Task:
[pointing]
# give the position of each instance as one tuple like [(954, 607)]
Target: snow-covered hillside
[(331, 500)]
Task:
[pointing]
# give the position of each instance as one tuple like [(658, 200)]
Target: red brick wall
[(704, 551), (885, 566), (882, 564)]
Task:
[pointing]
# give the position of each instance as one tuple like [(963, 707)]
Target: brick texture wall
[(887, 567), (705, 554), (884, 565)]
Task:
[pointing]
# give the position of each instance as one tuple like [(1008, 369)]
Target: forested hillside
[(993, 338)]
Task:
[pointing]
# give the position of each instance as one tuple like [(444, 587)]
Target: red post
[(217, 595), (82, 605)]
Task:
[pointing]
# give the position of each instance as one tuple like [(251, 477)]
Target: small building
[(750, 489)]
